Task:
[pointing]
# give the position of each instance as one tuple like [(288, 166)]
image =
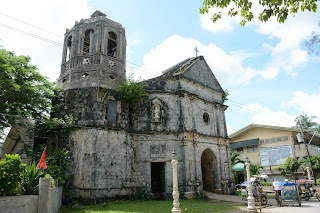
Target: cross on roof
[(196, 49)]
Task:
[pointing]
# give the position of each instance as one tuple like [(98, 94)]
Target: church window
[(69, 44), (88, 42), (205, 117), (112, 111), (112, 44)]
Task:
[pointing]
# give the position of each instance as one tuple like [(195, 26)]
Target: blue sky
[(270, 77)]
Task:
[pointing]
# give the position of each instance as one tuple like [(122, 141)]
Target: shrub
[(266, 183), (58, 164), (10, 169), (142, 194), (200, 195), (30, 179)]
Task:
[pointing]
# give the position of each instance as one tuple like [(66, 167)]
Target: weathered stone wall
[(101, 162)]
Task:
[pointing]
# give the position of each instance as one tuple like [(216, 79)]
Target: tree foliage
[(23, 90), (290, 166), (271, 8), (315, 163), (254, 169), (131, 91), (10, 169), (235, 158)]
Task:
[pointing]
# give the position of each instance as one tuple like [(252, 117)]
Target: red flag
[(42, 163)]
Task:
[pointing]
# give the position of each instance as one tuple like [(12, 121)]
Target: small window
[(285, 138), (69, 44), (112, 44), (112, 111), (262, 142), (252, 148), (205, 117), (279, 139), (88, 42), (273, 140), (267, 140), (239, 150)]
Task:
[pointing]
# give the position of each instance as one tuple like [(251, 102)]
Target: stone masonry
[(115, 150)]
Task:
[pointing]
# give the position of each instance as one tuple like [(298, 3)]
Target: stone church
[(115, 150)]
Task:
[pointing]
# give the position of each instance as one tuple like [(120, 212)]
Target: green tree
[(23, 90), (305, 122), (315, 163), (235, 158), (10, 170), (132, 92), (290, 166), (254, 169), (313, 45), (279, 9)]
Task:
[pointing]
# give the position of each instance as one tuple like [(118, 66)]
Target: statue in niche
[(156, 113)]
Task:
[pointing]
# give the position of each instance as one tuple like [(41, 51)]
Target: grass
[(154, 206)]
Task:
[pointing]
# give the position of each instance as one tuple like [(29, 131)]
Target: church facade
[(116, 149)]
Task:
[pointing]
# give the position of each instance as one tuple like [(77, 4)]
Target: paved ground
[(311, 206)]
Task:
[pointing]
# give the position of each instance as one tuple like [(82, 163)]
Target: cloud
[(54, 16), (227, 68), (305, 103), (288, 53), (263, 115)]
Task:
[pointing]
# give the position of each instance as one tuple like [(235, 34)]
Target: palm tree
[(254, 169), (305, 122), (235, 158)]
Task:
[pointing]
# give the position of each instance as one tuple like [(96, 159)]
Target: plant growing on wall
[(10, 170), (132, 92)]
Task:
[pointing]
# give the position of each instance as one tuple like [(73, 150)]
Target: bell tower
[(94, 54), (93, 66)]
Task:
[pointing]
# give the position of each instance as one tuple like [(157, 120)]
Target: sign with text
[(274, 156)]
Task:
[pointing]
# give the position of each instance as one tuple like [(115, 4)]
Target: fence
[(48, 200)]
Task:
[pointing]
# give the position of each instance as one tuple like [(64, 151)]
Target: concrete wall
[(48, 201), (21, 204)]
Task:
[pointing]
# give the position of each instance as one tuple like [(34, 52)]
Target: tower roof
[(98, 13)]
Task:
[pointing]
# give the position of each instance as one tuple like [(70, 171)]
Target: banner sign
[(274, 156)]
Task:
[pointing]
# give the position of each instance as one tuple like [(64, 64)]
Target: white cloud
[(263, 115), (227, 68), (287, 54), (54, 16), (305, 103)]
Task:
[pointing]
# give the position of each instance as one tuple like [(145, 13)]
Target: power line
[(128, 67), (32, 35), (31, 25)]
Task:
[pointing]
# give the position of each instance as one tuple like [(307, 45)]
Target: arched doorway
[(208, 165), (240, 178)]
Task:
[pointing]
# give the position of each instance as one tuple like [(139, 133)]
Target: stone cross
[(196, 49)]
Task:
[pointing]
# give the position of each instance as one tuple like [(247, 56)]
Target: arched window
[(88, 42), (112, 44), (69, 44)]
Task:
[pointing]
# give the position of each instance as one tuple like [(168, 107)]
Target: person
[(276, 188)]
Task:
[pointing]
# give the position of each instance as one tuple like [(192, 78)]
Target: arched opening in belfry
[(209, 171), (112, 44), (88, 42), (69, 44)]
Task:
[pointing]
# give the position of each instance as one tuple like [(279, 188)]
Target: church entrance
[(240, 178), (157, 177), (209, 171)]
